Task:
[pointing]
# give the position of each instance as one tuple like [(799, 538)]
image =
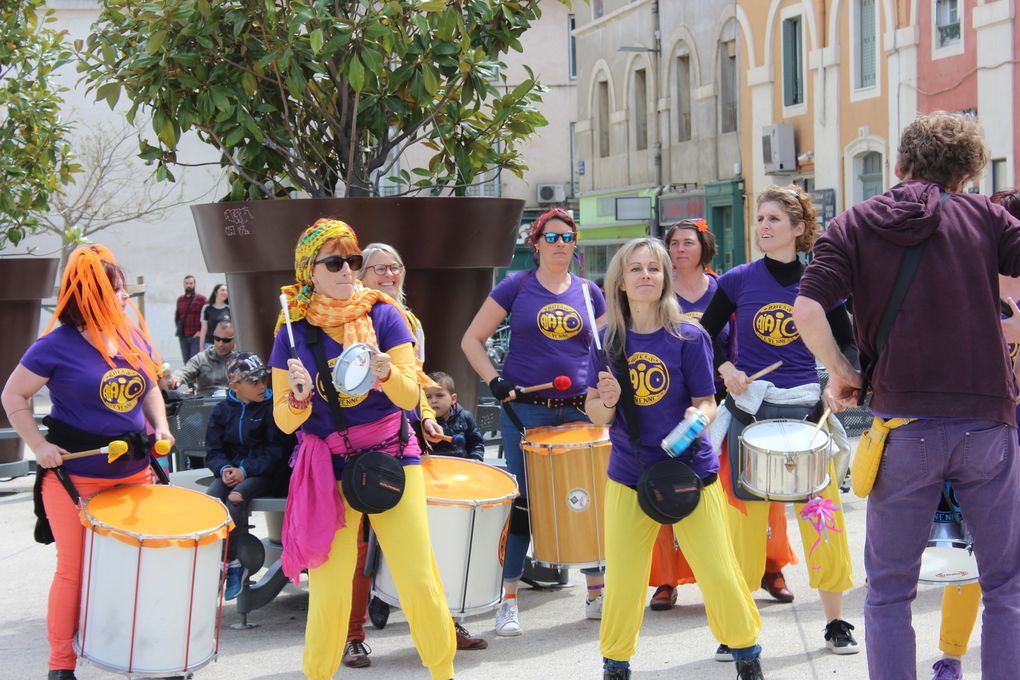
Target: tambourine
[(352, 374)]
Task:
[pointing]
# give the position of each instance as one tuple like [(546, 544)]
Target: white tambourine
[(352, 374)]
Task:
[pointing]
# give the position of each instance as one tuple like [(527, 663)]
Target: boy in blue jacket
[(457, 422), (244, 450)]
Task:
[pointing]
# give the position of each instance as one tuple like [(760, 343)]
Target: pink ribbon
[(821, 514)]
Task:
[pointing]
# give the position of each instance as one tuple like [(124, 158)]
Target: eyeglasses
[(225, 341), (383, 269), (335, 263), (552, 237)]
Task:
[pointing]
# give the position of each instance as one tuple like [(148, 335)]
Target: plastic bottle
[(677, 441)]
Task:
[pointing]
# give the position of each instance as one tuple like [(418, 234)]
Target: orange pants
[(69, 535), (669, 566)]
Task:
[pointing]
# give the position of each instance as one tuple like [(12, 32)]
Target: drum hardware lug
[(790, 463)]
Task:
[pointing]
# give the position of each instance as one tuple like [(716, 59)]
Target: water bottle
[(677, 441)]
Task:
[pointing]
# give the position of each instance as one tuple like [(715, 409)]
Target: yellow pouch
[(869, 453)]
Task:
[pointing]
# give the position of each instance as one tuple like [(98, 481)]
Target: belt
[(576, 401)]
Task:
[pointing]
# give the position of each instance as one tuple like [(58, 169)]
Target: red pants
[(69, 534), (362, 589)]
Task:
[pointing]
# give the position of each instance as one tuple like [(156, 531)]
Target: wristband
[(299, 405)]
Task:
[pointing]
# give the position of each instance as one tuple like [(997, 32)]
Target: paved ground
[(558, 643)]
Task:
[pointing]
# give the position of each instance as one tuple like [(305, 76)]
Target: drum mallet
[(113, 451), (765, 371), (821, 421), (561, 383), (290, 333)]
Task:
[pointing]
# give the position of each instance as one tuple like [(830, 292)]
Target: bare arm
[(155, 412), (600, 402), (19, 390), (844, 381), (485, 323)]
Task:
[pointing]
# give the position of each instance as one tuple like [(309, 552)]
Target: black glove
[(500, 388)]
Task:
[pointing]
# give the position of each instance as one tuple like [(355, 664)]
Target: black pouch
[(668, 491), (372, 481)]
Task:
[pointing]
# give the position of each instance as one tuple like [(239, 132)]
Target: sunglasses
[(383, 269), (552, 237), (225, 341), (335, 263)]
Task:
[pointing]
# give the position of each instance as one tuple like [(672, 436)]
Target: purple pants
[(980, 458)]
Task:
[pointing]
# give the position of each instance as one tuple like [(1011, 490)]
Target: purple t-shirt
[(765, 331), (549, 334), (89, 395), (665, 373), (696, 310), (390, 331)]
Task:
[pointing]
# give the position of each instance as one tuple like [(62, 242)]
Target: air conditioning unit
[(778, 149), (551, 193)]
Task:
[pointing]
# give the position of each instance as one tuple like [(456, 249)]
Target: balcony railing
[(948, 33)]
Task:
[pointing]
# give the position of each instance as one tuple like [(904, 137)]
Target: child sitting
[(244, 451), (456, 421)]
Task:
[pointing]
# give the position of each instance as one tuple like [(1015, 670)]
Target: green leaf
[(356, 74), (156, 41), (315, 39), (249, 83)]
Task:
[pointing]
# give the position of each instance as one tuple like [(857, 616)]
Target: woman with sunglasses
[(549, 336), (383, 270), (331, 307)]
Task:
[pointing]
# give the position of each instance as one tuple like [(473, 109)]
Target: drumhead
[(352, 374), (157, 515), (566, 436), (783, 435), (458, 480)]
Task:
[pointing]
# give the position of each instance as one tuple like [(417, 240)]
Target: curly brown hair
[(945, 148), (798, 206)]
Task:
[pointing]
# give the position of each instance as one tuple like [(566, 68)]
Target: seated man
[(208, 369)]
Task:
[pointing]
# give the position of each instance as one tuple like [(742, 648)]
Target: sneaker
[(616, 674), (749, 669), (838, 638), (465, 641), (61, 674), (947, 669), (723, 653), (775, 584), (663, 599), (356, 654), (507, 622), (378, 613), (593, 608), (236, 574)]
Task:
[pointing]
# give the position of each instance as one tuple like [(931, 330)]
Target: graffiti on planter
[(237, 220)]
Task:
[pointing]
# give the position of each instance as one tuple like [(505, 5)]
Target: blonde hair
[(667, 312), (942, 147), (369, 251), (798, 207)]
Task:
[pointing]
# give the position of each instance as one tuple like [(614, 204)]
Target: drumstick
[(290, 333), (764, 371), (821, 421), (594, 328), (561, 383), (113, 451)]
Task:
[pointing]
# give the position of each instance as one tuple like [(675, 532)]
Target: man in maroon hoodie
[(945, 363)]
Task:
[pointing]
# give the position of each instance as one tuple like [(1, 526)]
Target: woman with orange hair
[(96, 352)]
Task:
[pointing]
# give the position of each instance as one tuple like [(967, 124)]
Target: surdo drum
[(151, 579), (781, 460)]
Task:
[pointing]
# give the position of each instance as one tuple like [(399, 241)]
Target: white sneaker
[(507, 622), (593, 608)]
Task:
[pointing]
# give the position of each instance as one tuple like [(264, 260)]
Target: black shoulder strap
[(627, 402), (313, 336), (904, 277)]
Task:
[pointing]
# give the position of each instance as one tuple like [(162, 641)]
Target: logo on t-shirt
[(649, 377), (773, 324), (346, 401), (1012, 349), (121, 388), (559, 322), (695, 315)]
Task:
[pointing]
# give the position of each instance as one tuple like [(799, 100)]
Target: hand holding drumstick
[(737, 381)]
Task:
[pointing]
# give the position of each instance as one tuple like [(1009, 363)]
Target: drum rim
[(564, 428), (743, 442), (366, 383), (218, 532)]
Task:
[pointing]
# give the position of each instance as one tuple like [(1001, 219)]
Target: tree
[(106, 192), (35, 157), (321, 97)]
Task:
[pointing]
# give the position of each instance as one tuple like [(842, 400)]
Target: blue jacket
[(467, 439), (244, 436)]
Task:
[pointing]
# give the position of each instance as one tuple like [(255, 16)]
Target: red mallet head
[(562, 383)]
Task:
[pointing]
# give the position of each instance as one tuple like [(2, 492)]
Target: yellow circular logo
[(649, 377), (121, 388), (346, 401), (559, 322), (773, 324)]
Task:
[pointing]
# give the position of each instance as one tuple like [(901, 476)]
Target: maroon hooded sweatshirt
[(945, 356)]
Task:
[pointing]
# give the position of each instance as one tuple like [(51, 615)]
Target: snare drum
[(566, 469), (352, 374), (468, 510), (150, 579), (780, 460), (949, 557)]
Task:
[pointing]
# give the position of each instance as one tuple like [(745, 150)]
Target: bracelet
[(605, 405), (299, 405)]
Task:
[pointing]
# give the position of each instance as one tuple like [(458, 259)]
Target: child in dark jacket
[(457, 422), (244, 450)]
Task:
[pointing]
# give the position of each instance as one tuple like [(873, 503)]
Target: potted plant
[(320, 100), (35, 161)]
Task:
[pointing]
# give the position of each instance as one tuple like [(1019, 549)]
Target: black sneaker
[(723, 653), (749, 669), (839, 639), (61, 674), (378, 612), (616, 674)]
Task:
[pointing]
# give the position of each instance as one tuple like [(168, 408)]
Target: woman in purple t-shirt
[(669, 363), (101, 375), (549, 337), (761, 294)]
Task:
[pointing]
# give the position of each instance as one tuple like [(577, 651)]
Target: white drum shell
[(465, 541), (779, 461), (125, 586)]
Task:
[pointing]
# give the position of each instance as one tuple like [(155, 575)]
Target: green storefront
[(721, 204), (610, 218)]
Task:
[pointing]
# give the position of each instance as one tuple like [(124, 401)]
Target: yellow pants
[(403, 534), (828, 565), (630, 534), (959, 613)]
